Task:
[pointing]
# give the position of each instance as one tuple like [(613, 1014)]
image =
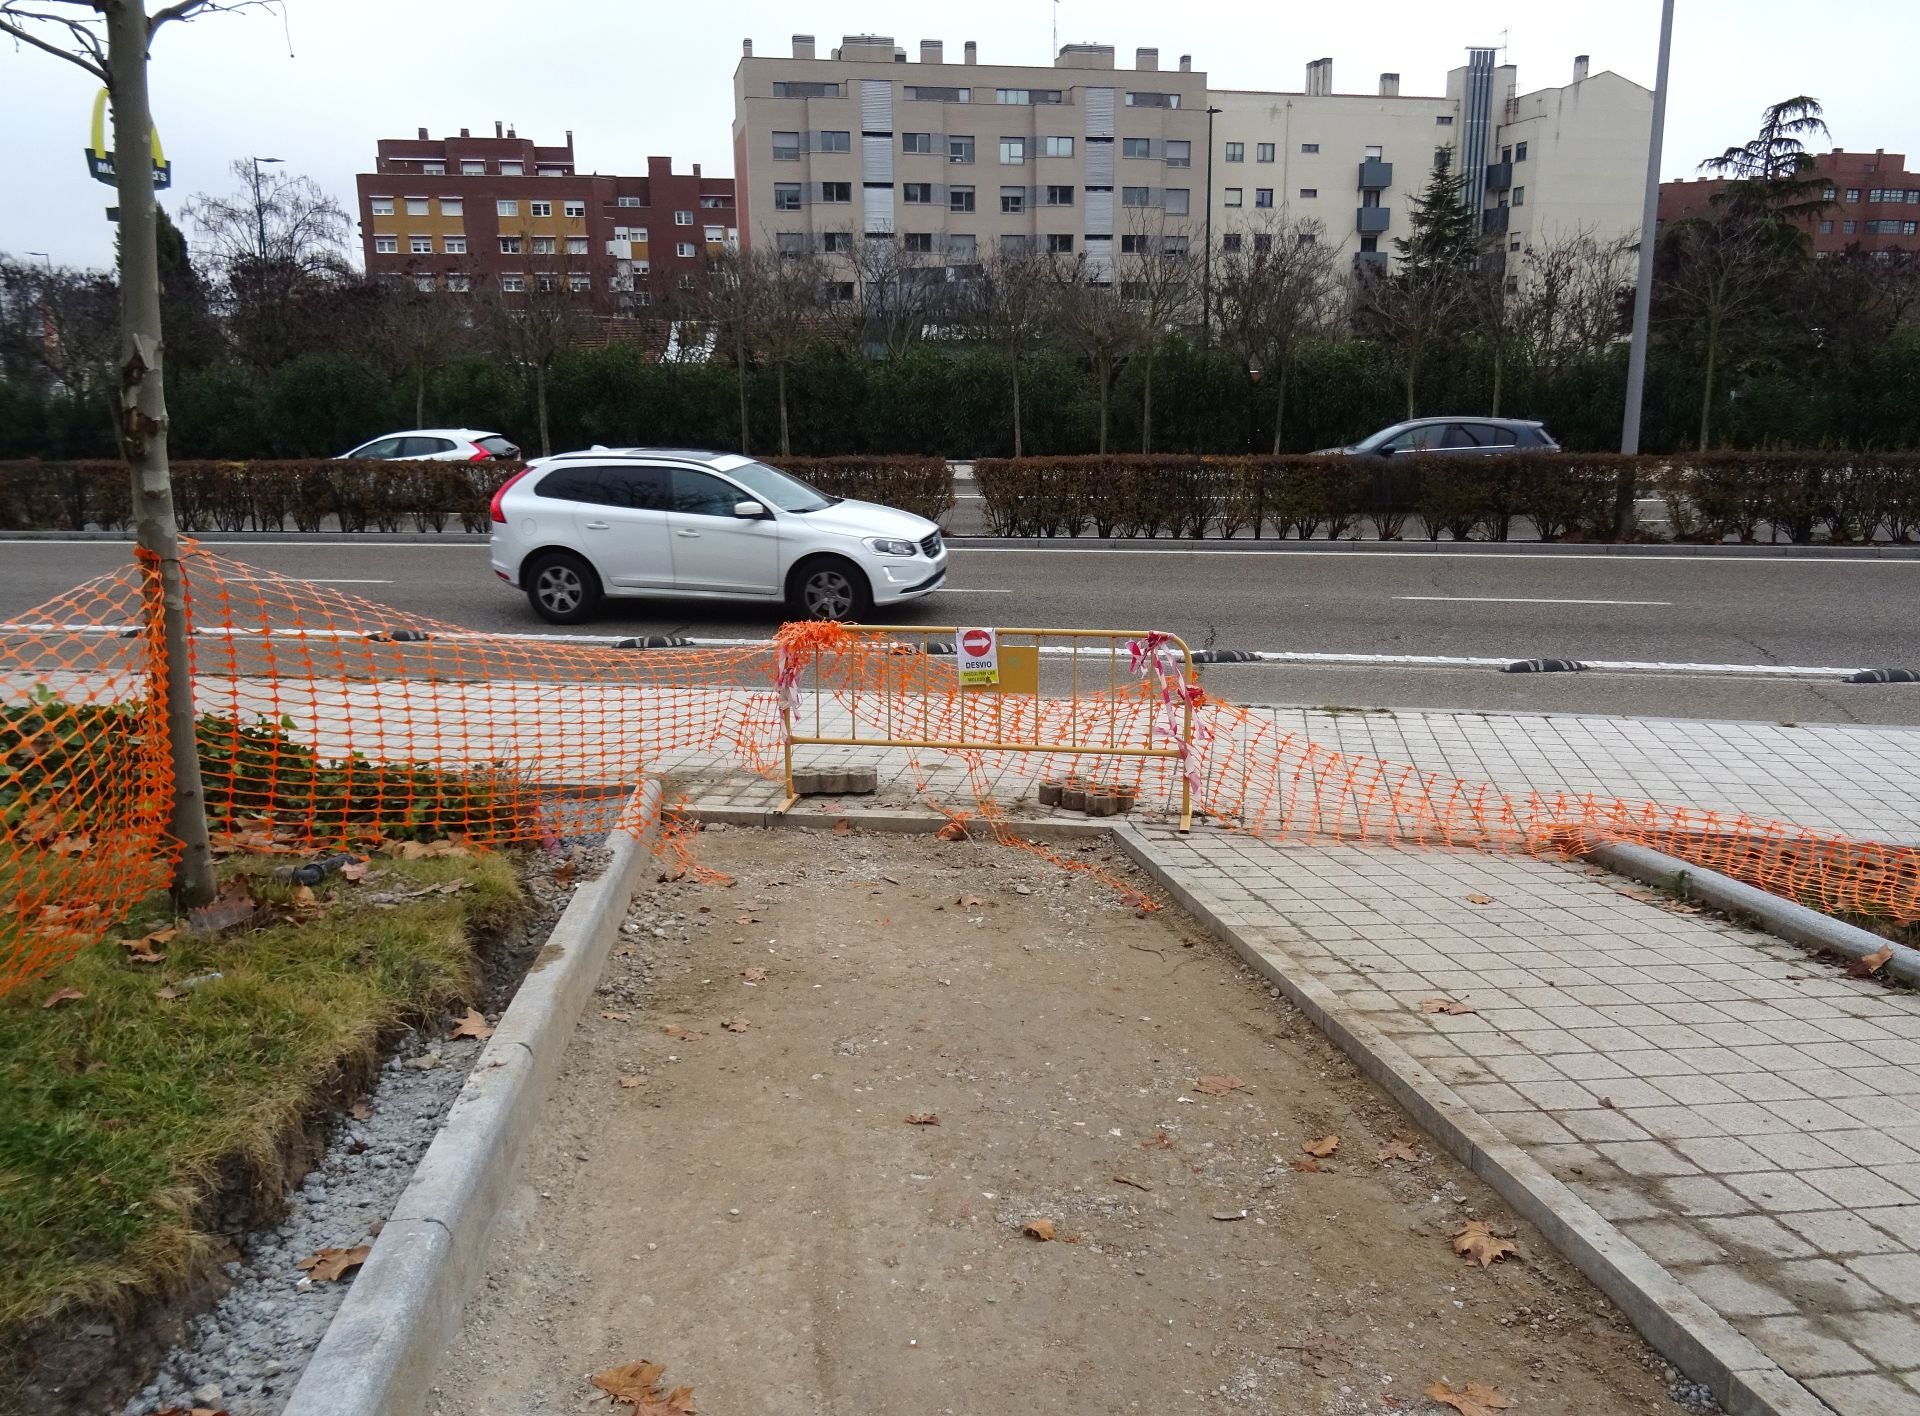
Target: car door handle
[(597, 526), (684, 532)]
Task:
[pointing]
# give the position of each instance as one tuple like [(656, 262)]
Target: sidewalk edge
[(383, 1347)]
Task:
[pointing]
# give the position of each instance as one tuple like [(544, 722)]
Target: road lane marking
[(1524, 600), (962, 590)]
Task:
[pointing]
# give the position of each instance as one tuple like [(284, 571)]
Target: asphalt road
[(1832, 611)]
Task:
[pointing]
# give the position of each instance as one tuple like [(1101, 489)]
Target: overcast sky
[(639, 77)]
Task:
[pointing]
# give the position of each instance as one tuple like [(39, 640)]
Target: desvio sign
[(978, 651)]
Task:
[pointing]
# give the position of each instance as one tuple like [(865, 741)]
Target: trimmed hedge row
[(1565, 496), (373, 496)]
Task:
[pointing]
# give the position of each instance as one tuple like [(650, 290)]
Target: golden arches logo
[(100, 161)]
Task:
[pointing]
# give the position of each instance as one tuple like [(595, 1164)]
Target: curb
[(291, 538), (1776, 916), (1691, 1335), (380, 1354)]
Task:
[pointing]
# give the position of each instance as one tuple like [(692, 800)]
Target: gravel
[(246, 1355)]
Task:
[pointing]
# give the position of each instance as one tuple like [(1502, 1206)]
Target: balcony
[(1371, 221), (1369, 263), (1499, 176), (1375, 174), (620, 250), (1493, 221)]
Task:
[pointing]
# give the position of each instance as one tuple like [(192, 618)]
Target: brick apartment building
[(1875, 202), (466, 213)]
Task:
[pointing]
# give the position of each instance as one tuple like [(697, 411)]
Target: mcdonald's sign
[(100, 161)]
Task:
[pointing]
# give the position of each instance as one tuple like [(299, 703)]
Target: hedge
[(373, 496)]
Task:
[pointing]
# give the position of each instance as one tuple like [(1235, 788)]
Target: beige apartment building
[(1087, 158)]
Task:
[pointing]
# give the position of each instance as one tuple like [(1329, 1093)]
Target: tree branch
[(10, 18)]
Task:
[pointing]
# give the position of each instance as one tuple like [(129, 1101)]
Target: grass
[(129, 1119)]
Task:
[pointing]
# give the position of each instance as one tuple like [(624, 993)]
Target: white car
[(649, 523), (436, 445)]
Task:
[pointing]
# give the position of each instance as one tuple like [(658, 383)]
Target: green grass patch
[(127, 1115)]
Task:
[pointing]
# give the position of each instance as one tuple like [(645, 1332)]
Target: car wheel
[(829, 588), (561, 587)]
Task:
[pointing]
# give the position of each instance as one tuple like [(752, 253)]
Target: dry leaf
[(1444, 1005), (630, 1082), (304, 900), (632, 1383), (754, 975), (674, 1030), (617, 1017), (1473, 1240), (1309, 1167), (78, 844), (562, 871), (1479, 899), (1399, 1148), (953, 831), (363, 1111), (1323, 1147), (1476, 1400), (1607, 1102), (1041, 1229), (924, 1118), (1129, 1180), (449, 887), (745, 919), (735, 1025), (355, 871), (166, 995), (473, 1025), (842, 827), (329, 1265), (1218, 1086), (62, 995), (1157, 1141), (235, 905), (1869, 964)]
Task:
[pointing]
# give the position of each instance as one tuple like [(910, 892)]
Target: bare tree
[(898, 293), (789, 296), (1096, 323), (1272, 294), (1571, 292), (415, 333), (1716, 275), (276, 221), (531, 327), (63, 326), (1160, 279), (730, 301), (1005, 307)]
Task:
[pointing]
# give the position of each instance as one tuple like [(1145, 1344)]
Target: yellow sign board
[(100, 161), (1019, 671)]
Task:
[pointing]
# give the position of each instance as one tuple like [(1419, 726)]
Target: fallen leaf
[(842, 827), (1310, 1167), (1473, 1240), (953, 831), (1218, 1086), (562, 871), (329, 1265), (355, 871), (473, 1025), (745, 919), (735, 1025), (617, 1017), (674, 1030), (1444, 1005), (632, 1383), (1399, 1148), (1323, 1147), (363, 1111), (754, 975), (1476, 1400), (630, 1082), (450, 887), (1129, 1180), (1041, 1229), (304, 900), (1607, 1102), (1869, 964), (77, 844), (234, 905), (166, 995), (924, 1118), (62, 995), (1158, 1141), (1479, 899), (968, 902)]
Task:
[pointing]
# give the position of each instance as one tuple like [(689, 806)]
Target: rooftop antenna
[(1503, 46), (1056, 28)]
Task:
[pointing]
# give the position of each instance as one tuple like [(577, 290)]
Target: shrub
[(921, 485)]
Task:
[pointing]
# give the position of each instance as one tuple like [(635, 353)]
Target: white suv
[(648, 523)]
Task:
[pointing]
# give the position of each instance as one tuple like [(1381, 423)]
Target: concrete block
[(836, 781)]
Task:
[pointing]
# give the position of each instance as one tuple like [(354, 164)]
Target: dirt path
[(752, 1208)]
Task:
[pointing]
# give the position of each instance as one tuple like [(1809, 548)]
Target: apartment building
[(1874, 202), (956, 160), (457, 214)]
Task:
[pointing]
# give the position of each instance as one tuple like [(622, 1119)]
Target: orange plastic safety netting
[(325, 718)]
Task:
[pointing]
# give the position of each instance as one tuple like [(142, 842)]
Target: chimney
[(930, 50), (510, 132), (569, 140), (696, 169), (465, 134), (423, 135), (496, 128), (803, 46), (1146, 60), (972, 52), (1581, 67), (1389, 86), (746, 49), (1320, 77), (1186, 63)]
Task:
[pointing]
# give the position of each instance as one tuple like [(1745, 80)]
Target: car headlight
[(884, 546)]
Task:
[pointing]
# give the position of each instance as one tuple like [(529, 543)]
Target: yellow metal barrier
[(1006, 716)]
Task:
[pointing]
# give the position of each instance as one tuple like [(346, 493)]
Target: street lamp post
[(1206, 258), (1643, 287), (45, 257), (260, 212)]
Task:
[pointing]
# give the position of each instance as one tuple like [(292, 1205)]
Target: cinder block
[(838, 781)]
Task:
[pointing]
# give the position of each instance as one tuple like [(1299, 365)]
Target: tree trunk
[(1146, 405), (1018, 445), (1280, 403), (1499, 369), (420, 396), (540, 405), (1413, 373), (1103, 370), (780, 383), (740, 368), (143, 439), (1706, 390)]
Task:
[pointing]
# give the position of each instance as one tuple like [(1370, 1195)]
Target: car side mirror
[(749, 510), (1388, 451)]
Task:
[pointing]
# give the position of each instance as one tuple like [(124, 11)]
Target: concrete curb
[(380, 1353), (1679, 1325), (1772, 913)]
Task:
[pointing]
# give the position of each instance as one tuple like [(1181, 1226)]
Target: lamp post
[(45, 257), (1206, 257), (260, 212), (1643, 287)]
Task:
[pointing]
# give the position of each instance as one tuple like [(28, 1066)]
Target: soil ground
[(752, 1209)]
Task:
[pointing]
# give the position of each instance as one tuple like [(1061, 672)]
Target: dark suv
[(1466, 436)]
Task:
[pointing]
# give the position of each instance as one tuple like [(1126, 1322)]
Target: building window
[(1059, 244), (640, 234), (545, 280), (1059, 196), (715, 233), (790, 243), (1134, 196), (1173, 245), (800, 90), (959, 199), (436, 169), (1176, 201), (916, 142), (920, 242), (922, 93), (1263, 241), (459, 282), (506, 208), (1519, 152), (513, 169), (715, 203), (1056, 147), (454, 245), (959, 149), (1179, 153), (469, 167), (1308, 194), (1152, 100), (1012, 96), (549, 170), (841, 241), (539, 208), (513, 284), (684, 250), (1513, 245), (643, 297), (840, 292), (1233, 197), (1263, 152), (916, 193), (1829, 194), (386, 245), (626, 201), (786, 196), (1909, 228), (1853, 194), (509, 245), (420, 245), (416, 206), (1013, 151), (1846, 228), (1826, 228), (1519, 196), (1236, 152), (1263, 196), (1309, 147), (1013, 200), (543, 245), (838, 193), (962, 248), (579, 280), (1136, 147), (382, 206), (786, 147), (576, 245), (1230, 242), (452, 206), (1133, 245), (423, 282), (840, 141)]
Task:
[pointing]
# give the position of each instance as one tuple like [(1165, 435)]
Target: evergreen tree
[(1445, 235)]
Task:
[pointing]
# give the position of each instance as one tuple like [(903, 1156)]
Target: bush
[(921, 485)]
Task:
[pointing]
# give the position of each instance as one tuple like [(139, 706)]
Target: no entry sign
[(979, 657)]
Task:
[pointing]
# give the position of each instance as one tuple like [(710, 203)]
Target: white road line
[(1428, 555), (960, 590), (1522, 600), (282, 544)]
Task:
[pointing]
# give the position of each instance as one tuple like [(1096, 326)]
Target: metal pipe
[(1649, 220), (1206, 259)]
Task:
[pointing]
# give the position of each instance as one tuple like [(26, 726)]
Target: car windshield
[(1385, 435), (777, 488)]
